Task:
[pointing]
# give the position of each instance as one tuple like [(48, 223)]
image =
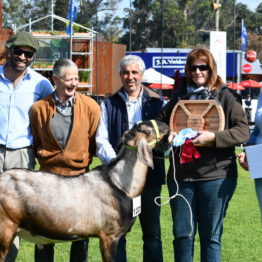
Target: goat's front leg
[(7, 233), (108, 246)]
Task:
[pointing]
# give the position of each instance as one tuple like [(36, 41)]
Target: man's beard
[(14, 64)]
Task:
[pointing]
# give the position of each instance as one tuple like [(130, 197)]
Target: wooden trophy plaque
[(199, 115)]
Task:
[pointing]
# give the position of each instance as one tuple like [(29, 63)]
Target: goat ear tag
[(136, 206)]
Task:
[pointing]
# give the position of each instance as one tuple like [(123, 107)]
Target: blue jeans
[(208, 201), (78, 252), (258, 185), (150, 225)]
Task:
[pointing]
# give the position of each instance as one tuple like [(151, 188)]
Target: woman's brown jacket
[(218, 161)]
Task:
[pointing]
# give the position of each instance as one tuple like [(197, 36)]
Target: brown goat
[(46, 208)]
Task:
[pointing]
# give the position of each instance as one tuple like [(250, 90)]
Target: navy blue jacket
[(118, 124)]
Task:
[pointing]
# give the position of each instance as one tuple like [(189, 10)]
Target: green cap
[(22, 39)]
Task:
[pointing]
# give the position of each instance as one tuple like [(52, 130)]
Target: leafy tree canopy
[(149, 23)]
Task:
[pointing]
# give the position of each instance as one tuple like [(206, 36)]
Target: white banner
[(218, 47)]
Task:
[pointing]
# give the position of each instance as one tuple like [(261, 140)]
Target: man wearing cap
[(20, 87)]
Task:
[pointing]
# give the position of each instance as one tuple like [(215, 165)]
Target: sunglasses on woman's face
[(17, 52), (193, 68)]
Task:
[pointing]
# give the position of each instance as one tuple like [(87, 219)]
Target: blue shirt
[(15, 104), (104, 149), (256, 135)]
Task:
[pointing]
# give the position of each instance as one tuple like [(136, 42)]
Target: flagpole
[(71, 16), (234, 42), (52, 16), (71, 30), (241, 59)]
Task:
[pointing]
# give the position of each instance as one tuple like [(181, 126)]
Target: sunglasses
[(18, 52), (193, 68)]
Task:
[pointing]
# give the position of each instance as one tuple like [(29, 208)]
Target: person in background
[(64, 126), (255, 139), (208, 183), (20, 87), (248, 109), (132, 103)]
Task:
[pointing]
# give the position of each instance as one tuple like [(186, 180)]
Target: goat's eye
[(146, 132), (143, 129)]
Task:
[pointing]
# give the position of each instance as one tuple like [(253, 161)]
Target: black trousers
[(78, 252)]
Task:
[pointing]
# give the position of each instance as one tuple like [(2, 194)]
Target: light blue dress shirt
[(256, 135), (15, 104), (104, 150)]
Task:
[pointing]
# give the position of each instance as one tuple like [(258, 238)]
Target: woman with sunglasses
[(208, 183)]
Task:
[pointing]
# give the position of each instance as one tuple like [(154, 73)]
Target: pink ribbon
[(189, 152)]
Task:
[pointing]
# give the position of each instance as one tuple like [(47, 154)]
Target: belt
[(4, 146)]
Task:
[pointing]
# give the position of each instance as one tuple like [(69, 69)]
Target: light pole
[(52, 15), (196, 20), (217, 15), (234, 39), (130, 25)]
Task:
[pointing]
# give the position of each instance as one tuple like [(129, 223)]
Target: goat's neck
[(129, 174)]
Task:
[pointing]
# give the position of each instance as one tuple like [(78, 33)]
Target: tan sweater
[(76, 157)]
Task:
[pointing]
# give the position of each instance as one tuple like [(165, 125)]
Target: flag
[(243, 36), (72, 13)]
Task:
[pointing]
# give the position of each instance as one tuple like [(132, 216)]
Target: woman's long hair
[(214, 80)]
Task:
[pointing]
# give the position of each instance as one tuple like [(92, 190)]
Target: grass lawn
[(241, 241)]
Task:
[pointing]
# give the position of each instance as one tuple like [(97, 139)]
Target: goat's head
[(144, 137)]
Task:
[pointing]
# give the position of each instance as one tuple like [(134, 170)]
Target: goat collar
[(153, 142), (157, 133)]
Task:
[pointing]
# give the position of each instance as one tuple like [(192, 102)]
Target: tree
[(99, 14), (40, 9), (11, 9), (154, 23), (60, 9), (140, 19), (166, 23), (89, 14), (109, 28), (185, 23)]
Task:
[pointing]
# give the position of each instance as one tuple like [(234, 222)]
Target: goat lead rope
[(153, 122), (157, 200)]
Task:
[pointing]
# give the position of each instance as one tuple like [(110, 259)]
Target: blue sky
[(252, 4)]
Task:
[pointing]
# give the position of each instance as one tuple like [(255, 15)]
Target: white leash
[(167, 199)]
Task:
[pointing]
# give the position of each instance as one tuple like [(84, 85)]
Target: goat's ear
[(144, 153)]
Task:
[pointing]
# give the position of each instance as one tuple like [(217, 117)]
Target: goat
[(44, 208)]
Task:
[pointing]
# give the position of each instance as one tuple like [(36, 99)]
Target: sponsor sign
[(173, 59), (250, 67), (218, 47), (174, 62)]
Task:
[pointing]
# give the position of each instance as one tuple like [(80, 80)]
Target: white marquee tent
[(152, 76)]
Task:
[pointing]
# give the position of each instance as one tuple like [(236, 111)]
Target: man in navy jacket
[(134, 102)]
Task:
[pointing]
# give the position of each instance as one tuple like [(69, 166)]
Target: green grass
[(241, 241)]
